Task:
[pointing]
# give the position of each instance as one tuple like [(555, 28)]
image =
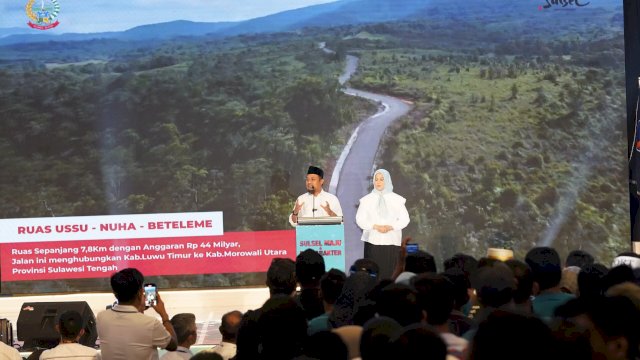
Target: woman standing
[(382, 215)]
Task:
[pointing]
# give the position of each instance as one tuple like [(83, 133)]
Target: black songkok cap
[(316, 170)]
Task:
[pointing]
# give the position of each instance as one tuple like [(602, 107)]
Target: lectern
[(324, 235)]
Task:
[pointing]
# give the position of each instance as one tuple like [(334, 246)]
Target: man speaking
[(315, 202)]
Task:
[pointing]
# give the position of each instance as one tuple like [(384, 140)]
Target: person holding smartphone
[(125, 332), (382, 215)]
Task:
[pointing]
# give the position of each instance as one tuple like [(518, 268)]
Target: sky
[(84, 16)]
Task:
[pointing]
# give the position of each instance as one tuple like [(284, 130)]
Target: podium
[(324, 235)]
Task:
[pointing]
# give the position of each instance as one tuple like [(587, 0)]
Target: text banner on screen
[(233, 252), (111, 227)]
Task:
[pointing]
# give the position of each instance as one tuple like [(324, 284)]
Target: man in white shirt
[(315, 202), (125, 332), (187, 333), (229, 326), (71, 328), (9, 352)]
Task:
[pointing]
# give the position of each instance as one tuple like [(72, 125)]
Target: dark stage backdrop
[(179, 146)]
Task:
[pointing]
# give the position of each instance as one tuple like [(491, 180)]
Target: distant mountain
[(342, 12), (4, 32)]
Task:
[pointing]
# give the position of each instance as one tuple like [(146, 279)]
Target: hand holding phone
[(412, 248), (150, 295)]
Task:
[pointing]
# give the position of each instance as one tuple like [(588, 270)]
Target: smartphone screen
[(150, 293), (412, 248)]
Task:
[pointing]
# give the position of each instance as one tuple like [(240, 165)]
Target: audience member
[(309, 270), (417, 342), (524, 285), (505, 335), (350, 335), (399, 302), (459, 323), (354, 298), (331, 285), (376, 340), (547, 273), (435, 295), (282, 329), (590, 281), (617, 275), (281, 281), (124, 331), (229, 326), (70, 326), (629, 290), (569, 280), (579, 258), (326, 345), (187, 333), (614, 328)]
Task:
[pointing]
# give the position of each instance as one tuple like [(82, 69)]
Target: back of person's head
[(126, 284), (467, 263), (326, 345), (486, 261), (309, 267), (229, 325), (505, 336), (281, 277), (579, 258), (545, 266), (435, 295), (418, 340), (420, 262), (366, 265), (590, 280), (617, 275), (354, 296), (70, 324), (206, 355), (399, 302), (184, 325), (459, 286), (524, 280), (376, 340), (616, 321), (494, 284), (331, 285), (282, 327)]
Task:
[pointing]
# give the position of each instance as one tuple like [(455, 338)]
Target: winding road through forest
[(351, 177)]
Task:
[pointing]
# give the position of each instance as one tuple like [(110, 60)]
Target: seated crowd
[(535, 308)]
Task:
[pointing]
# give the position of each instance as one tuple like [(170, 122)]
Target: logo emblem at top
[(43, 14)]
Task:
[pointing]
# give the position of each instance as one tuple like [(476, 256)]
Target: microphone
[(313, 203)]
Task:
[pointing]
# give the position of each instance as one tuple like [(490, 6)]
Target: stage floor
[(207, 305)]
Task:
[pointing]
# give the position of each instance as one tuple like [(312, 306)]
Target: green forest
[(517, 134), (515, 143), (208, 125)]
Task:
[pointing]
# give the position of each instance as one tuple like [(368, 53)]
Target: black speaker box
[(37, 323), (6, 332)]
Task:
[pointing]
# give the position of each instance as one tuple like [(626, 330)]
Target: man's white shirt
[(310, 202)]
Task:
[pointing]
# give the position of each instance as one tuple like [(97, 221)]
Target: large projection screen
[(174, 136)]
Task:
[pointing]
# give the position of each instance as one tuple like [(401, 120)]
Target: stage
[(208, 306)]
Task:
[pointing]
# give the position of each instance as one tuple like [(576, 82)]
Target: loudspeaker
[(37, 321), (6, 332)]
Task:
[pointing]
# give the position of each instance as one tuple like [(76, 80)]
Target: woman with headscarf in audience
[(382, 215)]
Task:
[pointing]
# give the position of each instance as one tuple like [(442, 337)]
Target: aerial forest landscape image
[(514, 133)]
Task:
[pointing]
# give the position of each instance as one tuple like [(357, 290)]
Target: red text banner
[(232, 252)]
